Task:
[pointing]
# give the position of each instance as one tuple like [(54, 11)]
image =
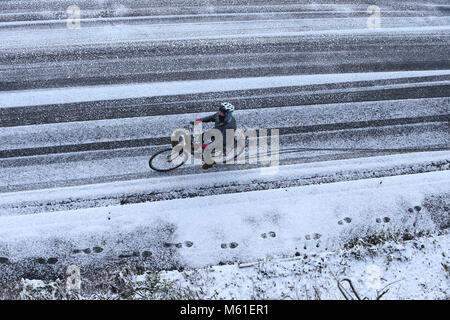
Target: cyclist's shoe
[(207, 166)]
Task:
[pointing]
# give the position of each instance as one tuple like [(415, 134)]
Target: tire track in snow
[(14, 153)]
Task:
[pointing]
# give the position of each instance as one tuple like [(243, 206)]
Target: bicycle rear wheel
[(167, 160)]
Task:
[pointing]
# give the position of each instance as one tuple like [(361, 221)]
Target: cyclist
[(223, 120)]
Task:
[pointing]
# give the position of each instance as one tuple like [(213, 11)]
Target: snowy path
[(194, 232), (125, 164), (194, 184)]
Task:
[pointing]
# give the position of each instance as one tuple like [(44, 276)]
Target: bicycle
[(168, 159)]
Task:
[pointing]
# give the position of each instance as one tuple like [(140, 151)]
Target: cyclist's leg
[(208, 162), (175, 143)]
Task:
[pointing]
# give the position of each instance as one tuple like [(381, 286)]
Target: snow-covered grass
[(416, 269), (386, 266)]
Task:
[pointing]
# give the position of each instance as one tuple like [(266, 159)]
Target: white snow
[(411, 270), (79, 132), (289, 239), (22, 98), (162, 183), (300, 217), (269, 28)]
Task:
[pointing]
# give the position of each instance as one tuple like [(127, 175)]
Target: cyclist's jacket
[(222, 123)]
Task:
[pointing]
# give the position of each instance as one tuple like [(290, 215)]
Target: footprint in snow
[(97, 249), (129, 255), (315, 236), (416, 208), (271, 234), (232, 245), (179, 244), (146, 254), (346, 219), (88, 250)]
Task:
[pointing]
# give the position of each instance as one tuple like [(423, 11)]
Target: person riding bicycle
[(223, 120)]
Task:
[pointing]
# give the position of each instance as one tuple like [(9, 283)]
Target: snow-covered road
[(82, 110)]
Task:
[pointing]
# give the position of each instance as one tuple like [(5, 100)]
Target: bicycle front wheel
[(167, 160)]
